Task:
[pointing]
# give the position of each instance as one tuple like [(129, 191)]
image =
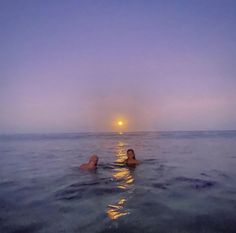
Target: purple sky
[(68, 66)]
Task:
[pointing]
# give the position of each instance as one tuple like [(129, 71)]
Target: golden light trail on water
[(125, 181)]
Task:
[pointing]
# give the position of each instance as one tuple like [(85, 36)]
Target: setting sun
[(120, 123)]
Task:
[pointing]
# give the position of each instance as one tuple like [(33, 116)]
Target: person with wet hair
[(131, 160), (91, 165)]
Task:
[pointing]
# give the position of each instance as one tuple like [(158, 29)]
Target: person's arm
[(84, 166)]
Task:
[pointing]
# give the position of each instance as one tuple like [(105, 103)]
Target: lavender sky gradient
[(70, 66)]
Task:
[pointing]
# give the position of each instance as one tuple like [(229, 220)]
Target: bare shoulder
[(133, 162), (136, 162)]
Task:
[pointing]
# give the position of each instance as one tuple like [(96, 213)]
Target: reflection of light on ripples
[(124, 175), (116, 211), (121, 153)]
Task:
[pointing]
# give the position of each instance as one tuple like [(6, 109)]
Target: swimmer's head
[(93, 160), (130, 154)]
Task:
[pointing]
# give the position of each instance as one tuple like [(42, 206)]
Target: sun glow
[(120, 123)]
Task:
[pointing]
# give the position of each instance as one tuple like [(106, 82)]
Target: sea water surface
[(186, 183)]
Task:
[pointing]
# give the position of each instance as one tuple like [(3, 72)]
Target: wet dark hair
[(131, 150)]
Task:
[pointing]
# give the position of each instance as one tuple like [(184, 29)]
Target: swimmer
[(131, 161), (91, 165)]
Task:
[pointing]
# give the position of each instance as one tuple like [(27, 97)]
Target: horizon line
[(116, 132)]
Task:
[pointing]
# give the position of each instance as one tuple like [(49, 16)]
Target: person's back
[(91, 165)]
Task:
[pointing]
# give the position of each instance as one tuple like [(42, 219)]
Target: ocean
[(186, 183)]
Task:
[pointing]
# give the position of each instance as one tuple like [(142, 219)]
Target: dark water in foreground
[(186, 183)]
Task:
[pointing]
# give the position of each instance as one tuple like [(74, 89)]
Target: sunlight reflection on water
[(185, 183), (126, 180)]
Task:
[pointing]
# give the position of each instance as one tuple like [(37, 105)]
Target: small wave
[(90, 189), (162, 186), (195, 183), (26, 228), (220, 173), (82, 192), (111, 165), (204, 174), (152, 161)]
